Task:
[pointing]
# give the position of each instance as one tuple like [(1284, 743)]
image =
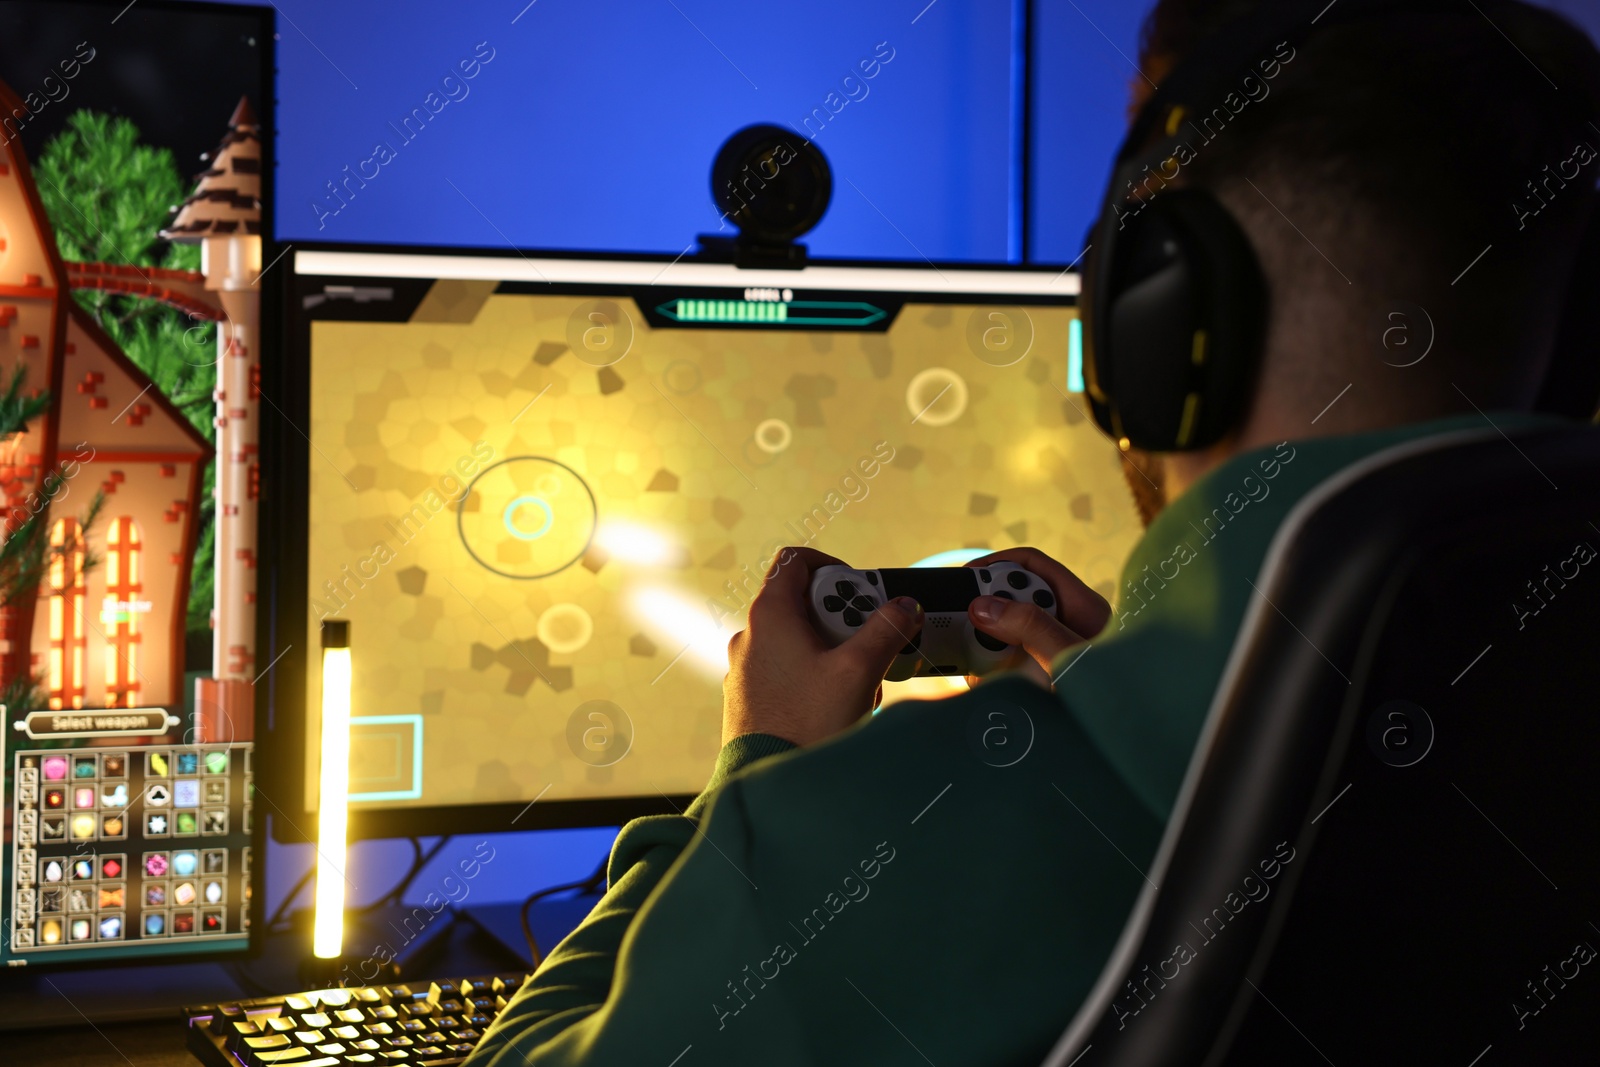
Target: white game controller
[(842, 598)]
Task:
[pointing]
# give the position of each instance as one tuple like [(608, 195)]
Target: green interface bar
[(789, 312)]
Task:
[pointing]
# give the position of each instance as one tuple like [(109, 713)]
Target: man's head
[(1367, 176)]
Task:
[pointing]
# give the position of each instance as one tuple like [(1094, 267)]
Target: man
[(943, 882)]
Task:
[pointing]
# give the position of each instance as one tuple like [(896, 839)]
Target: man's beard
[(1146, 480)]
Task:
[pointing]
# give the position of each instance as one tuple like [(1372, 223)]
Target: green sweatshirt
[(944, 881)]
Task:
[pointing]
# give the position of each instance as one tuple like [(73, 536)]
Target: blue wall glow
[(592, 126)]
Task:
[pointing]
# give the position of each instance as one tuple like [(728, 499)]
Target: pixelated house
[(111, 634)]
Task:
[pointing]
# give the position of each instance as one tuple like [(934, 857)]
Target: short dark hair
[(1404, 144)]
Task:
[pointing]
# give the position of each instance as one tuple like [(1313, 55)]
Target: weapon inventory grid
[(132, 845)]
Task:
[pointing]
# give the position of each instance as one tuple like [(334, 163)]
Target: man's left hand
[(784, 680)]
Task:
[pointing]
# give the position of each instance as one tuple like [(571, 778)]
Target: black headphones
[(1174, 304)]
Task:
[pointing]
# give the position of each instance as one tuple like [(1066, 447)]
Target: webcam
[(775, 186)]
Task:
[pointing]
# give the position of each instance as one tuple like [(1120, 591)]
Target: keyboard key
[(315, 1020), (333, 998), (361, 1057), (366, 1044), (414, 1026), (297, 1004), (226, 1015), (332, 1048), (309, 1037), (395, 1055), (368, 995), (349, 1015), (506, 984), (378, 1029), (383, 1011), (278, 1024), (241, 1030), (266, 1041), (401, 992), (297, 1055), (344, 1033)]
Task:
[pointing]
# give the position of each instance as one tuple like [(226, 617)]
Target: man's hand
[(785, 681), (1080, 611)]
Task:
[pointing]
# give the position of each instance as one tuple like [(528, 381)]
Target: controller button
[(852, 617), (845, 589), (1043, 598), (832, 603), (1017, 580), (872, 578), (993, 644), (983, 575), (1003, 594), (864, 604)]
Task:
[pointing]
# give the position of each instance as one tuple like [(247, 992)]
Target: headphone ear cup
[(1572, 382), (1178, 314)]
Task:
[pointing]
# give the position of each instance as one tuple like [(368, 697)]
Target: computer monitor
[(126, 744), (542, 490)]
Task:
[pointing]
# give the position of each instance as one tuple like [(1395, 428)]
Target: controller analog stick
[(993, 644)]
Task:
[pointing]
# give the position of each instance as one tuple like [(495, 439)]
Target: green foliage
[(16, 410), (107, 196)]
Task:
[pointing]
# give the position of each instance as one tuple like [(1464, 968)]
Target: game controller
[(842, 598)]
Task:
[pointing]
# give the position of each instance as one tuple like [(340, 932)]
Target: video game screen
[(544, 513), (134, 142)]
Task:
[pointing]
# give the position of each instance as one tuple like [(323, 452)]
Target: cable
[(289, 897), (591, 884), (420, 860)]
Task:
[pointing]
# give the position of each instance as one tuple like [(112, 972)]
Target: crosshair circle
[(487, 518), (510, 521)]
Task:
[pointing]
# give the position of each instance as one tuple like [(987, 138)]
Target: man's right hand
[(1080, 613)]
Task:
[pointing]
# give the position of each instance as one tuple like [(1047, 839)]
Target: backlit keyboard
[(416, 1025)]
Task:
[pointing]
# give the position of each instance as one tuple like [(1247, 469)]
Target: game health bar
[(836, 314)]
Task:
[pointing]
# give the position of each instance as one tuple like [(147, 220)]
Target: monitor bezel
[(283, 603)]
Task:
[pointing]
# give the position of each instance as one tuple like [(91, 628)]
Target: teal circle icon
[(519, 531)]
